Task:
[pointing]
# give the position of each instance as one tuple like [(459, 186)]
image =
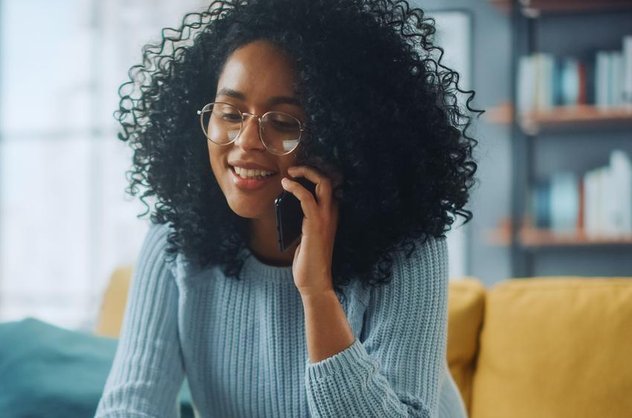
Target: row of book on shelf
[(598, 202), (603, 79)]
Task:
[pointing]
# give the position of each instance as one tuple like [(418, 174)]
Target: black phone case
[(289, 215)]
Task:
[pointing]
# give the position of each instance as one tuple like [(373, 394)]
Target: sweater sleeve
[(395, 368), (147, 371)]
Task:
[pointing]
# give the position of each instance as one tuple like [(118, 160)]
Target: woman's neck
[(264, 243)]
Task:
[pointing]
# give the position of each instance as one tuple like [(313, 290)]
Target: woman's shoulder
[(156, 245), (422, 264), (419, 268), (428, 253), (182, 267), (157, 234), (416, 293)]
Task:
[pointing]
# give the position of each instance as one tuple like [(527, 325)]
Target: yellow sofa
[(558, 347), (540, 347)]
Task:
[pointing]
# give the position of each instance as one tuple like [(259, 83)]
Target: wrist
[(317, 295), (319, 286), (327, 329)]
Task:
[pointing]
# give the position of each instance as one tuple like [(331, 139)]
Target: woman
[(350, 321)]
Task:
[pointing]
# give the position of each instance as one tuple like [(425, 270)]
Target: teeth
[(247, 173)]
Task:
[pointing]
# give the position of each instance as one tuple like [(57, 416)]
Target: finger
[(322, 182), (298, 248), (308, 202)]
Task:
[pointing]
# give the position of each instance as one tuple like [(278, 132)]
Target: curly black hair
[(381, 107)]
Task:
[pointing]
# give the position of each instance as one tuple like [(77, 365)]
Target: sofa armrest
[(466, 302), (113, 304)]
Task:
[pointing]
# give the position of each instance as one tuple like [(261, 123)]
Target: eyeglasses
[(279, 132)]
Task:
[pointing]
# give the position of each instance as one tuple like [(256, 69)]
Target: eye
[(231, 117), (282, 122), (227, 113)]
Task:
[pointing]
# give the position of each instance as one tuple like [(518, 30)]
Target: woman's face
[(256, 78)]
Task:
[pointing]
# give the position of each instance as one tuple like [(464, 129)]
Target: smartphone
[(289, 215)]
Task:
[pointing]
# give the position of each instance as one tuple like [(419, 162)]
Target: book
[(547, 61), (615, 80), (564, 202), (592, 202), (621, 172), (541, 204), (568, 82), (608, 203), (582, 83), (526, 79), (602, 70), (582, 198), (627, 70)]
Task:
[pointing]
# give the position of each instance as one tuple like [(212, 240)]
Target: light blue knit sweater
[(241, 344)]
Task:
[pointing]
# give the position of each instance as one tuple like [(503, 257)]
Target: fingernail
[(284, 182)]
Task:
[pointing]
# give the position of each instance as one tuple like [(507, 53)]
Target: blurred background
[(65, 220), (554, 195)]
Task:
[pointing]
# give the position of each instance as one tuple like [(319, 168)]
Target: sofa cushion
[(47, 371), (466, 300), (555, 347)]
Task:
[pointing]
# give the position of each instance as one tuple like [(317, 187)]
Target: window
[(65, 221)]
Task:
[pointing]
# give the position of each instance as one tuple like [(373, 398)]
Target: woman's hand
[(313, 256)]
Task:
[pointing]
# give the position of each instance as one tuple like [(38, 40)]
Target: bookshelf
[(537, 27)]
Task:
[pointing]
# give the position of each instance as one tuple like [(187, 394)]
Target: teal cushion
[(53, 372)]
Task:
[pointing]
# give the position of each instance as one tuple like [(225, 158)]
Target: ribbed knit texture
[(241, 344)]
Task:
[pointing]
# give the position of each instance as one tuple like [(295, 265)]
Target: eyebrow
[(272, 101)]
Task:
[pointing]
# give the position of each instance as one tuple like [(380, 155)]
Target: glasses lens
[(280, 132), (221, 122)]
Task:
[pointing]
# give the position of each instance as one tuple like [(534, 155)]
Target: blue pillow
[(47, 371)]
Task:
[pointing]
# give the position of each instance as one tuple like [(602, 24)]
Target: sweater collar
[(253, 267)]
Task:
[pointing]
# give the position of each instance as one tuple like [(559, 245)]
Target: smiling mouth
[(250, 174)]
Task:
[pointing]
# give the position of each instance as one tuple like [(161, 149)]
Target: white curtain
[(65, 221)]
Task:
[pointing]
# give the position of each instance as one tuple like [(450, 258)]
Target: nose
[(248, 138)]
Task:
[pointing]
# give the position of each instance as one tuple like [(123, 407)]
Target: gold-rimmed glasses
[(279, 132)]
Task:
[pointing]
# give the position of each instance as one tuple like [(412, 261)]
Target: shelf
[(535, 7), (563, 117), (575, 116), (533, 237), (501, 114)]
